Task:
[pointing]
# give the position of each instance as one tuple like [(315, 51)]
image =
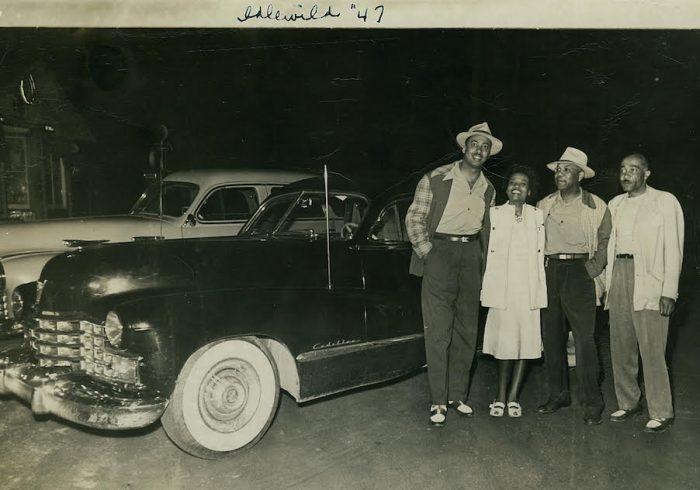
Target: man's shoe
[(553, 405), (438, 415), (462, 408), (657, 425), (593, 419), (622, 414)]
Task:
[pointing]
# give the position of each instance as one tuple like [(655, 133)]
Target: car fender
[(23, 268), (167, 329)]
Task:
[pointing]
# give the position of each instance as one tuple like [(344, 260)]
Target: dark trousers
[(571, 296), (450, 301)]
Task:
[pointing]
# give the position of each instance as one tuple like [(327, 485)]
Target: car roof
[(336, 183), (210, 176)]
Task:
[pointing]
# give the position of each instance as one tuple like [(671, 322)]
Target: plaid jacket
[(425, 212)]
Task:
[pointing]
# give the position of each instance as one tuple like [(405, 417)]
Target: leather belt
[(624, 256), (456, 238), (567, 256)]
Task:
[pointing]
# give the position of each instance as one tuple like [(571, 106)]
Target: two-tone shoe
[(657, 424), (438, 415), (623, 414), (461, 408)]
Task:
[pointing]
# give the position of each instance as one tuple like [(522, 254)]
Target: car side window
[(309, 215), (229, 204), (391, 224)]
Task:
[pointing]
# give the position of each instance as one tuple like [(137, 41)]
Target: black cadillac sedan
[(313, 297)]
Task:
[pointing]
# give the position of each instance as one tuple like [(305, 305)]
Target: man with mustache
[(646, 253), (447, 224), (577, 228)]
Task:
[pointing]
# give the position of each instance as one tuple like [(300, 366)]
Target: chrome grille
[(4, 309), (83, 346), (4, 312), (56, 342)]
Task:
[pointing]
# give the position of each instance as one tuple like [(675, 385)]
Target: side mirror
[(190, 221)]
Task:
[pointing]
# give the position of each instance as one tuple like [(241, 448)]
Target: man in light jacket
[(577, 229), (645, 252)]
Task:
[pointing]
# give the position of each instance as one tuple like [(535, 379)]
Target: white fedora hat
[(483, 130), (575, 157)]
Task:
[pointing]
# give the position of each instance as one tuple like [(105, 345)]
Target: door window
[(391, 224), (229, 204), (309, 214)]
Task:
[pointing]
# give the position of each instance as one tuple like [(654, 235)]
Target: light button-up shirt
[(563, 228), (464, 211)]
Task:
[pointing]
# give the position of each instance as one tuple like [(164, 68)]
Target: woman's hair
[(527, 172)]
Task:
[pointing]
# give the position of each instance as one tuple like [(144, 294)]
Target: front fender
[(164, 330), (167, 329), (24, 268)]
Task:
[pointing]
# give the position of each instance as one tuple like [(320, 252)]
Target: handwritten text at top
[(302, 13)]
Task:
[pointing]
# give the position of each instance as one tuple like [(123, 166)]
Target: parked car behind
[(313, 296), (196, 203)]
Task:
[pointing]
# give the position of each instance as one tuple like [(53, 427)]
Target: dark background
[(375, 105)]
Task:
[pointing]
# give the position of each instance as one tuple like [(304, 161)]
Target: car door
[(392, 295), (223, 211), (331, 350)]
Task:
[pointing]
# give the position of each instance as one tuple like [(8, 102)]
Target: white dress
[(514, 332)]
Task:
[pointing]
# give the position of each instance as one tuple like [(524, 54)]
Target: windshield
[(305, 215), (177, 198)]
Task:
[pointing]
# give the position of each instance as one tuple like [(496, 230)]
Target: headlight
[(22, 300), (17, 304), (113, 329)]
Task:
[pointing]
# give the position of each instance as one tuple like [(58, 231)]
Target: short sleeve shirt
[(464, 211), (563, 228)]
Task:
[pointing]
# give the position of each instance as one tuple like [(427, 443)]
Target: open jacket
[(658, 247), (494, 287), (427, 208), (596, 224)]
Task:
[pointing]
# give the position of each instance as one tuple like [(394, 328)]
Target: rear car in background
[(195, 203)]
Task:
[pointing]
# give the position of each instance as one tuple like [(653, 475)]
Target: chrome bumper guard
[(77, 397)]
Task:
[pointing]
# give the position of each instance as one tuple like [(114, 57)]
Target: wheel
[(224, 399)]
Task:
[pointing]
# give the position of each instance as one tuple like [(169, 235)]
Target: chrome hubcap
[(229, 395)]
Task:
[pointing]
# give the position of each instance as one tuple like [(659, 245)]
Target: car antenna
[(328, 226), (161, 146)]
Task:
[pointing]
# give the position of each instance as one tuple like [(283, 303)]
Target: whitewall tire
[(224, 399)]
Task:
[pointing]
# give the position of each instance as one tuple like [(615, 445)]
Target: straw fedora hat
[(484, 130), (575, 157)]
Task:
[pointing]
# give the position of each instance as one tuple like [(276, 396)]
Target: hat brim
[(496, 144), (588, 172)]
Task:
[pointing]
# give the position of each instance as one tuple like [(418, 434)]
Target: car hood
[(48, 235), (88, 279)]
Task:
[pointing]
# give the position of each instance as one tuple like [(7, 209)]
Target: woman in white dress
[(514, 288)]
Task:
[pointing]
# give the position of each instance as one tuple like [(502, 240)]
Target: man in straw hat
[(645, 254), (446, 224), (577, 229)]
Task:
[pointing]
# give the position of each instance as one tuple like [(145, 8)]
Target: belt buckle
[(464, 239)]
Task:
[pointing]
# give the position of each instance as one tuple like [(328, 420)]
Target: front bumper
[(76, 396)]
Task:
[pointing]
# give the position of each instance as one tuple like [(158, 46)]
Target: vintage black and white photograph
[(384, 257)]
